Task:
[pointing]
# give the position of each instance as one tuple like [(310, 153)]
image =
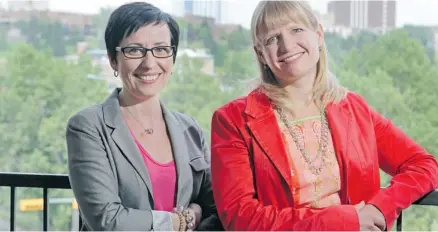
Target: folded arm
[(95, 185), (414, 170), (237, 204)]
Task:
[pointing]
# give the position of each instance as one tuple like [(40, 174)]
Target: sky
[(419, 12)]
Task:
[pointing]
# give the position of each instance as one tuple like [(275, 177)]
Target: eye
[(133, 50), (160, 49), (296, 30), (271, 40)]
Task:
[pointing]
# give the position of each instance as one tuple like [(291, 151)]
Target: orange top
[(308, 189)]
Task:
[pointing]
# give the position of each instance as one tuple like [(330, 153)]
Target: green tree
[(239, 66), (397, 78), (3, 39), (99, 24), (39, 93), (239, 39), (194, 93), (43, 34), (338, 46), (425, 36)]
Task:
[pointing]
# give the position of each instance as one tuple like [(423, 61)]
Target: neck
[(146, 107), (301, 92)]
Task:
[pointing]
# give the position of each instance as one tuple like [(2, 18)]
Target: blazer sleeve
[(95, 186), (235, 196), (210, 220), (414, 170)]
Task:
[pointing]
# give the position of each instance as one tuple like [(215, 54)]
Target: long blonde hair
[(273, 14)]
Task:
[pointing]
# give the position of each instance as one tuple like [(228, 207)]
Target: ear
[(113, 62), (259, 55)]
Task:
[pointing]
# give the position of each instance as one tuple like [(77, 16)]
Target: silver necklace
[(148, 131), (322, 145)]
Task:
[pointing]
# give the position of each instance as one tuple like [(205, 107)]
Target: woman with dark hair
[(133, 163)]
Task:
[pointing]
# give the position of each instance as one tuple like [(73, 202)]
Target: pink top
[(310, 190), (163, 178)]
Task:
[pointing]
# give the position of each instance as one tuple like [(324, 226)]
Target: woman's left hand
[(196, 211), (372, 213)]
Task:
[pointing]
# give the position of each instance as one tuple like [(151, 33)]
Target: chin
[(150, 94)]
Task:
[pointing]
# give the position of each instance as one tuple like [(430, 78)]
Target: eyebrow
[(141, 45), (268, 36), (134, 44), (160, 43)]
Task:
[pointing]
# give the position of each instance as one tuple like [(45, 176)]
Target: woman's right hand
[(369, 218), (176, 222)]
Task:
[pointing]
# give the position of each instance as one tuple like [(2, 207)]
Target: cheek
[(128, 66), (270, 57), (313, 44), (166, 65)]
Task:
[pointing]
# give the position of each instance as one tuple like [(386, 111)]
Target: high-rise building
[(378, 16), (206, 8), (28, 5)]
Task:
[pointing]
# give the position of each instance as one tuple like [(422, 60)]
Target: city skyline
[(420, 12)]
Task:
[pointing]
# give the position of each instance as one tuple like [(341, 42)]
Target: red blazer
[(251, 177)]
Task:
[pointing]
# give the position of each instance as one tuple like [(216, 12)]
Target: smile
[(293, 57), (148, 78)]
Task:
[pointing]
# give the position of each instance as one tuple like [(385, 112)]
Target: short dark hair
[(128, 18)]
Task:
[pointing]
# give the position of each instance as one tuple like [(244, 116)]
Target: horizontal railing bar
[(34, 180), (61, 181), (429, 199)]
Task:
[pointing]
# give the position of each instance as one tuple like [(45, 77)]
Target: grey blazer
[(110, 180)]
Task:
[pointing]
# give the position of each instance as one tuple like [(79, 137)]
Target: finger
[(379, 222), (370, 228)]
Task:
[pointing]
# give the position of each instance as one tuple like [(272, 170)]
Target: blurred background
[(53, 63)]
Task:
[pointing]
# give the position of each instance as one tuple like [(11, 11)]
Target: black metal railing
[(26, 180), (51, 181), (430, 199)]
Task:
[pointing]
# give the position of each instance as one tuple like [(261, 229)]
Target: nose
[(148, 61), (286, 44)]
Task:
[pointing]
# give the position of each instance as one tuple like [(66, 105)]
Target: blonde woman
[(301, 152)]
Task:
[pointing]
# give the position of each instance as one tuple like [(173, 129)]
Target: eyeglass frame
[(122, 50)]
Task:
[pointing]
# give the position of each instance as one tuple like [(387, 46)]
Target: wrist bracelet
[(189, 219), (181, 217)]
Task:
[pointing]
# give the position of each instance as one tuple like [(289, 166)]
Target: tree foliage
[(39, 92)]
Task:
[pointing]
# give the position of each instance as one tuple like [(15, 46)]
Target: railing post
[(399, 222), (12, 208), (45, 210)]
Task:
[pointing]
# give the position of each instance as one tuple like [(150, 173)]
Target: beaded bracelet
[(189, 220), (179, 212)]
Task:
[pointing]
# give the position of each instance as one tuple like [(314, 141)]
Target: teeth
[(148, 78), (293, 57)]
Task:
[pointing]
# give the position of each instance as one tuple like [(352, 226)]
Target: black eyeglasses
[(136, 52)]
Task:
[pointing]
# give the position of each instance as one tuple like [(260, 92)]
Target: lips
[(292, 57), (147, 77)]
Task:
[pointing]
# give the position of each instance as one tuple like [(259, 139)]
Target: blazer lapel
[(181, 157), (266, 131), (123, 138), (339, 119)]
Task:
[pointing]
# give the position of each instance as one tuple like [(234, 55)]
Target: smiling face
[(291, 51), (288, 39), (145, 77)]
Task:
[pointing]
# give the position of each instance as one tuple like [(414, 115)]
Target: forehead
[(150, 33), (276, 15)]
